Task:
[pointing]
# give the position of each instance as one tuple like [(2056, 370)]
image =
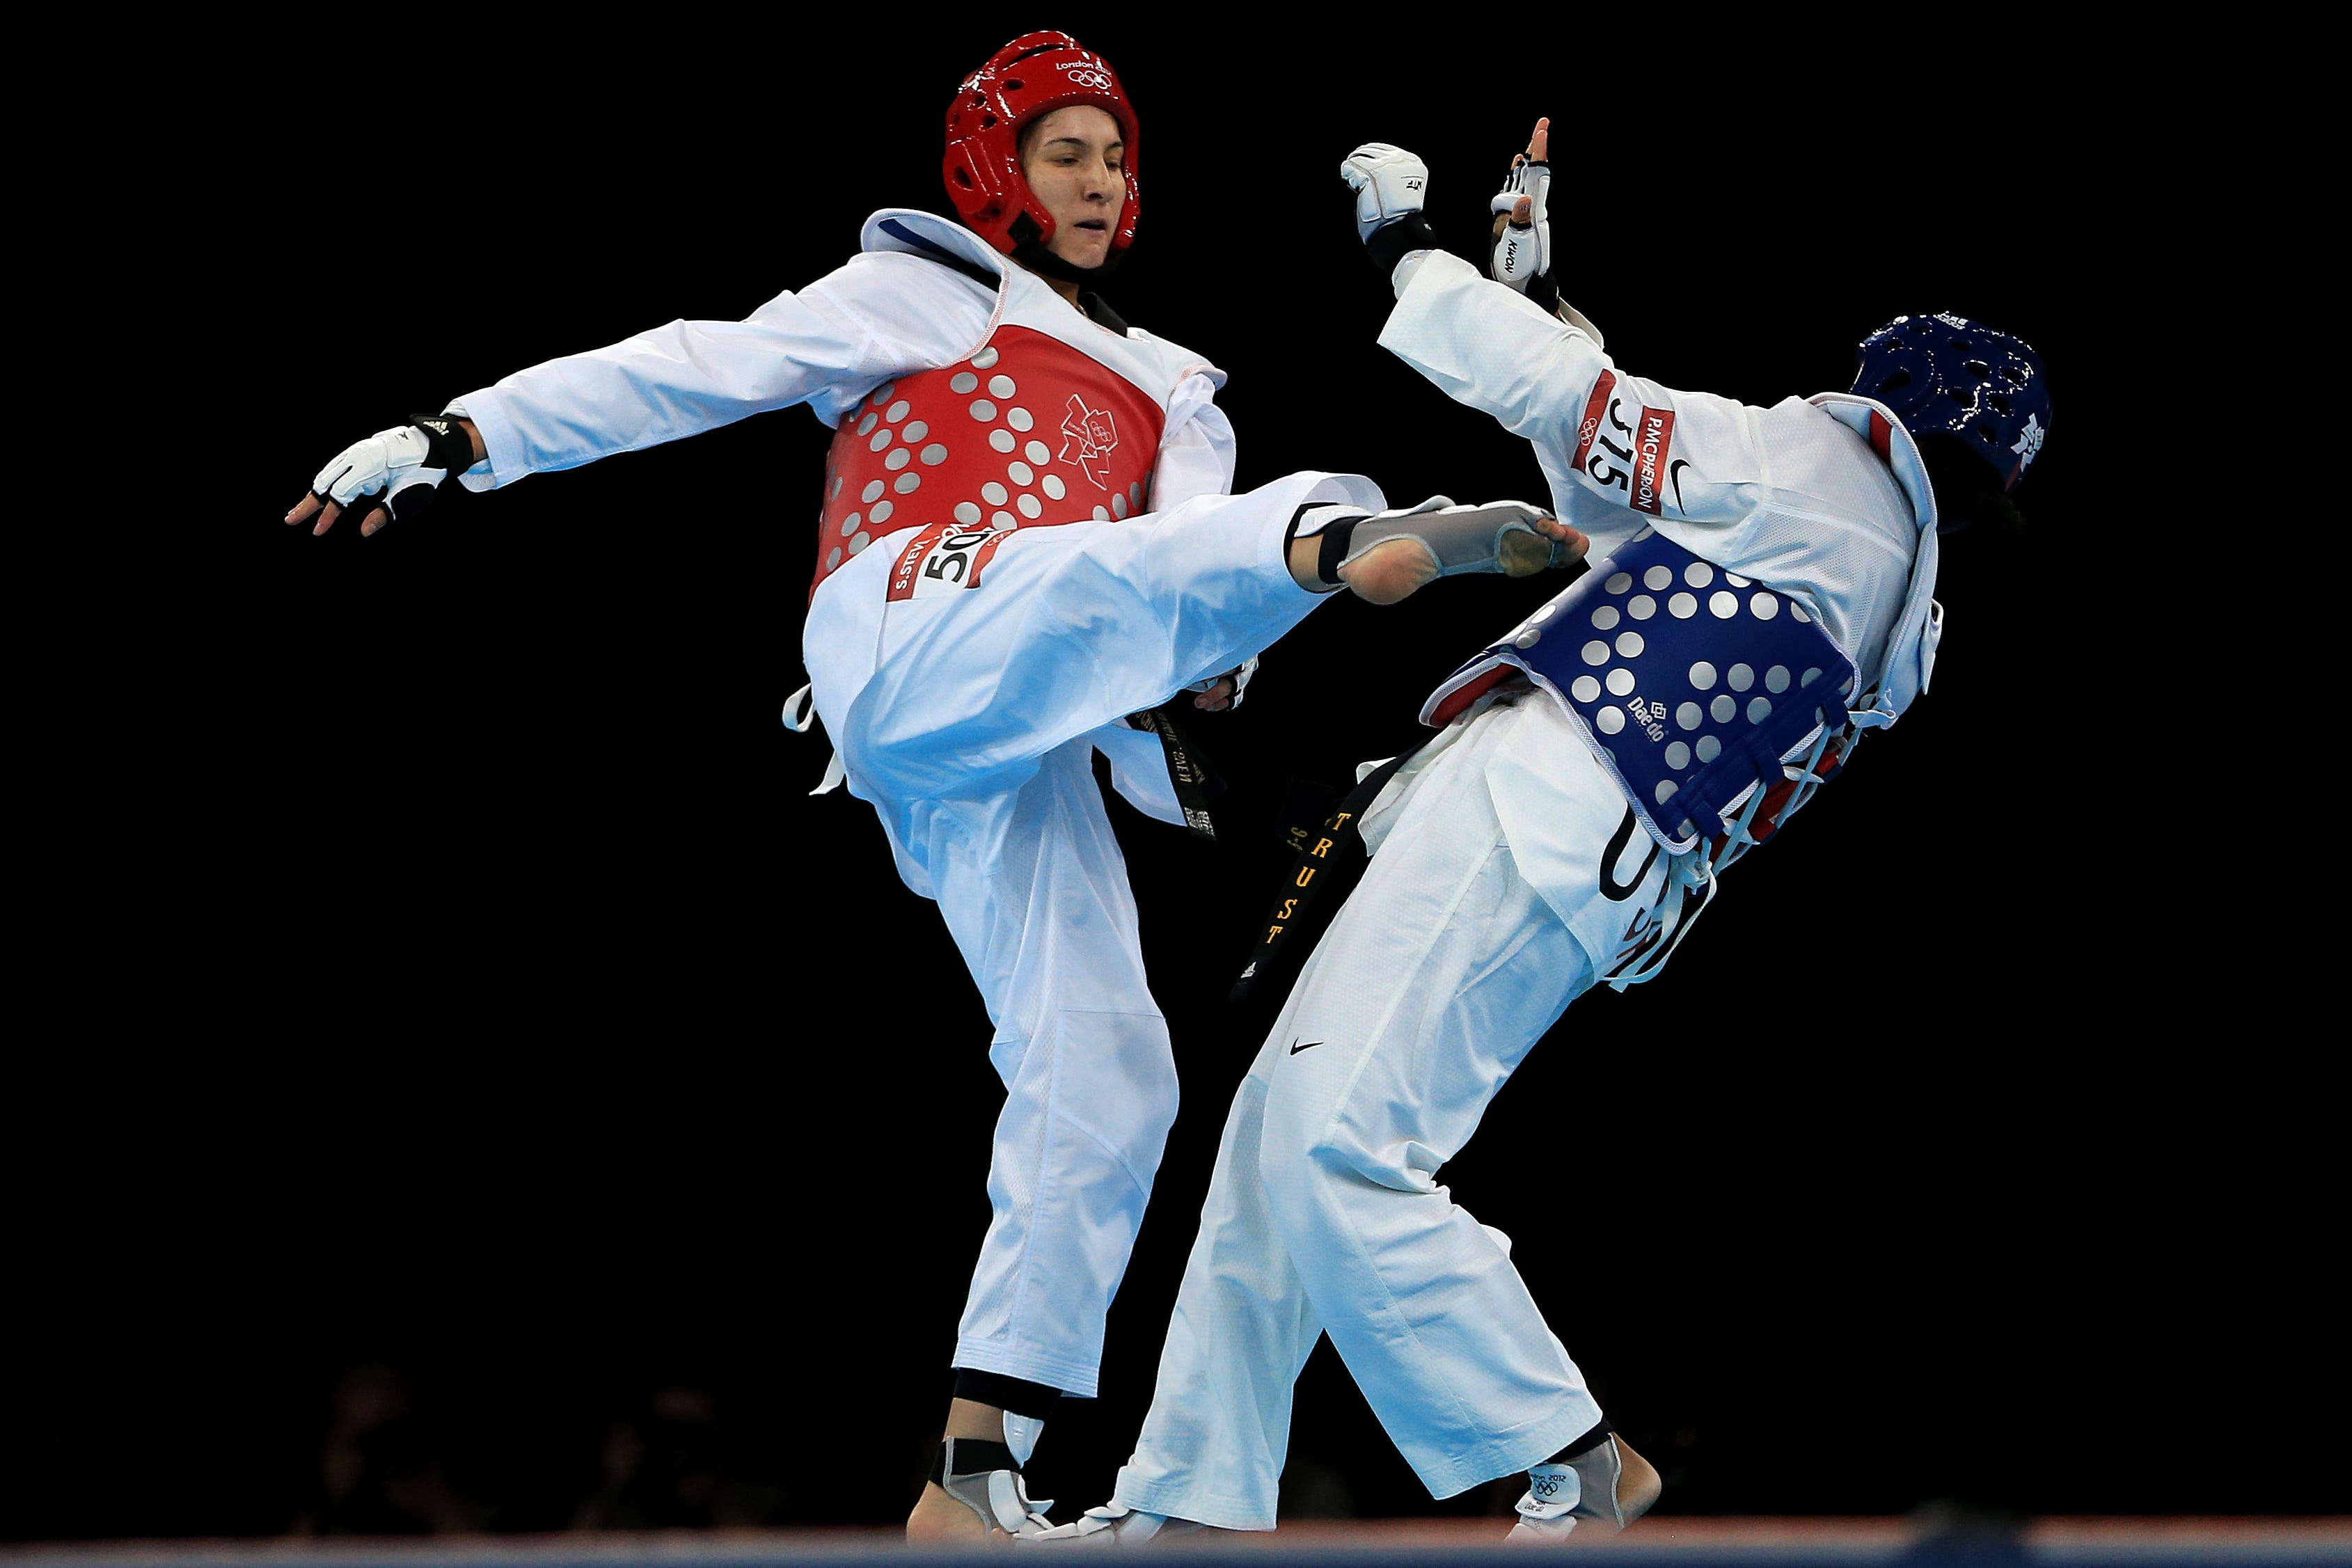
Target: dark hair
[(1968, 491)]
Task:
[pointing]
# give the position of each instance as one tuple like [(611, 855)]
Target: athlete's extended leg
[(1063, 631)]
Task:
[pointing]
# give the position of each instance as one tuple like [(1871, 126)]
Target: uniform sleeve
[(824, 345), (1196, 455), (1625, 443)]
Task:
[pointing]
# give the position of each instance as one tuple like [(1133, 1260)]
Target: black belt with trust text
[(1330, 858), (1196, 782)]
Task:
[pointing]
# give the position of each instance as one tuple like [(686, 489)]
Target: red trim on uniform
[(1589, 426), (1476, 688), (1882, 437)]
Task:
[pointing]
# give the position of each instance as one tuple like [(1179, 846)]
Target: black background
[(462, 980)]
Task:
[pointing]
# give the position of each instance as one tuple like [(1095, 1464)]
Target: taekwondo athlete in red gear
[(1760, 595), (1026, 536)]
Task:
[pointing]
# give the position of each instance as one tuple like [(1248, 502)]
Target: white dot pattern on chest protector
[(1689, 716), (986, 358), (934, 455), (982, 410), (1002, 440), (1641, 607), (1739, 677), (872, 493), (1722, 606), (1698, 574), (907, 484), (1019, 418), (1038, 452), (866, 426), (899, 459), (881, 513), (849, 524), (915, 432), (1028, 505), (1605, 618), (962, 382), (1021, 474), (999, 386), (1118, 505), (994, 493), (1054, 487), (967, 513), (1682, 606), (895, 412), (1658, 579), (1585, 689)]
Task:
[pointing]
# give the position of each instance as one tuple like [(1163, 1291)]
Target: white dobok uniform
[(1026, 537), (1503, 881)]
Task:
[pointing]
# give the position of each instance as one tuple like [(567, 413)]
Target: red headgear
[(1033, 75)]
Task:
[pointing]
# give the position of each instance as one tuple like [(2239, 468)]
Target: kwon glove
[(1523, 250), (401, 465)]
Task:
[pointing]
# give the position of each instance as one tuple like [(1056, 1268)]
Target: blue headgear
[(1942, 373)]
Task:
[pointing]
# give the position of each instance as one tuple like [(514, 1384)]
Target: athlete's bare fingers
[(377, 515), (1539, 144), (327, 517), (302, 509), (1573, 540), (1217, 699)]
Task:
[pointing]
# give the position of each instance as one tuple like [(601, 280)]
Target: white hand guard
[(1389, 182), (389, 458), (1523, 251)]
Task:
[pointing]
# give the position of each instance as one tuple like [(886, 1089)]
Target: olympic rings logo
[(1088, 77)]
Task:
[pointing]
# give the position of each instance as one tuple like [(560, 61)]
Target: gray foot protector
[(997, 1495), (1598, 1470), (1461, 538)]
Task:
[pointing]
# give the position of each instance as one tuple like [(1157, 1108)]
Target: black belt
[(1333, 857), (1195, 780)]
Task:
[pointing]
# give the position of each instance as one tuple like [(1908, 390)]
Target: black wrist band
[(1392, 244), (446, 445), (1333, 548)]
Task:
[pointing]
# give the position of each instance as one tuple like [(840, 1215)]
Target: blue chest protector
[(1693, 686)]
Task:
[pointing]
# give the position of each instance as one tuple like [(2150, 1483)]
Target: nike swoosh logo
[(1295, 1048)]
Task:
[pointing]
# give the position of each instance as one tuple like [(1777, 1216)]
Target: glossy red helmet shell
[(1033, 75)]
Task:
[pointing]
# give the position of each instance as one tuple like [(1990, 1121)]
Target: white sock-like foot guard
[(1111, 1525), (1560, 1494)]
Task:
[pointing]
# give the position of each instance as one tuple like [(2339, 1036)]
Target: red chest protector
[(1028, 433)]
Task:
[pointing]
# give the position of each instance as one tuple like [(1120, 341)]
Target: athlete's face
[(1076, 160)]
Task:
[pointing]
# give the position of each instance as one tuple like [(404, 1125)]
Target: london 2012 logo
[(1089, 438), (1087, 76)]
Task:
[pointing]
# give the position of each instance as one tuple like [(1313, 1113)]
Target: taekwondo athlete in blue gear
[(1760, 595)]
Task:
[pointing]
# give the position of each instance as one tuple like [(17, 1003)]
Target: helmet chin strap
[(1030, 252)]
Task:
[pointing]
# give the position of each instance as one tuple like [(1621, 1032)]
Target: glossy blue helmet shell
[(1947, 375)]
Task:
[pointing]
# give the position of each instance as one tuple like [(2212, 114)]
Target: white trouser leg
[(1070, 629), (1036, 896), (1212, 1448), (1436, 978)]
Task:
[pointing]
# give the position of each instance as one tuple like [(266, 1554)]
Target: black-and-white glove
[(1241, 681), (395, 470), (1523, 250)]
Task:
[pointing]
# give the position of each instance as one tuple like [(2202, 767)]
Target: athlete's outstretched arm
[(824, 345)]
